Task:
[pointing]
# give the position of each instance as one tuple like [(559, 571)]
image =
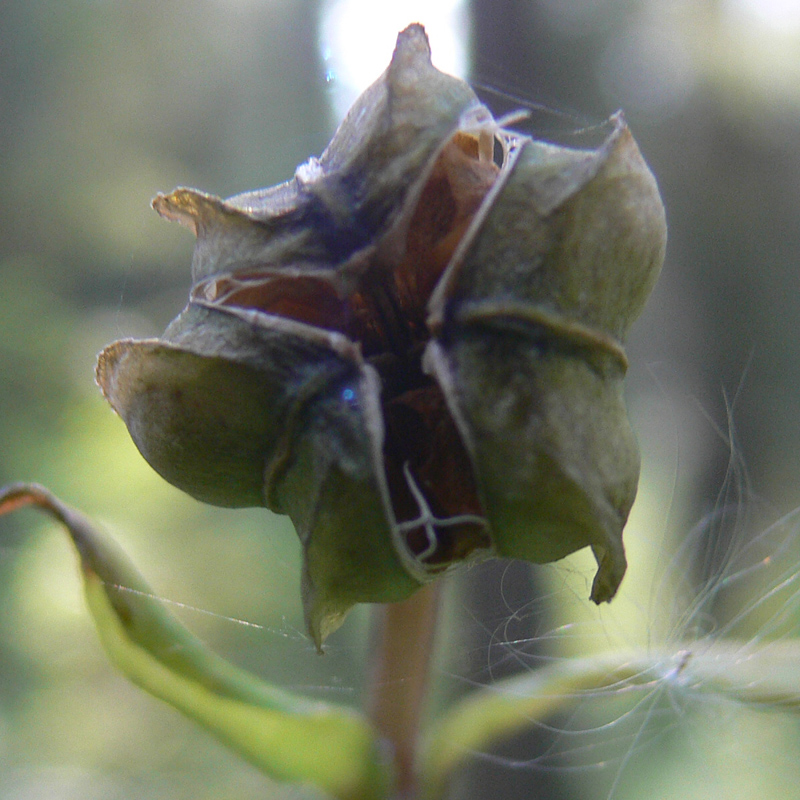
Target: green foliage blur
[(106, 102)]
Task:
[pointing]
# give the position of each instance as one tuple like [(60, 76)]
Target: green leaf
[(289, 737), (733, 669)]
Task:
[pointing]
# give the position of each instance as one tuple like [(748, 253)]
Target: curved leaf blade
[(767, 675), (289, 737)]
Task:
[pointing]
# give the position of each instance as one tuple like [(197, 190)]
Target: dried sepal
[(528, 323)]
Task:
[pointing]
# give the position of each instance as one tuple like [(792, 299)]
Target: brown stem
[(403, 648)]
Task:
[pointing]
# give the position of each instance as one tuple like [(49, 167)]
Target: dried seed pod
[(411, 350)]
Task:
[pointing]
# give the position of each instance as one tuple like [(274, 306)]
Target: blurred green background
[(105, 102)]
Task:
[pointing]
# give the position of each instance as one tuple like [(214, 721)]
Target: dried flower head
[(412, 348)]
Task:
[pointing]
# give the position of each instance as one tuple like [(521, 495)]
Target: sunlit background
[(105, 102)]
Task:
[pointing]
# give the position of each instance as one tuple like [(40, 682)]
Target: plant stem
[(404, 640)]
